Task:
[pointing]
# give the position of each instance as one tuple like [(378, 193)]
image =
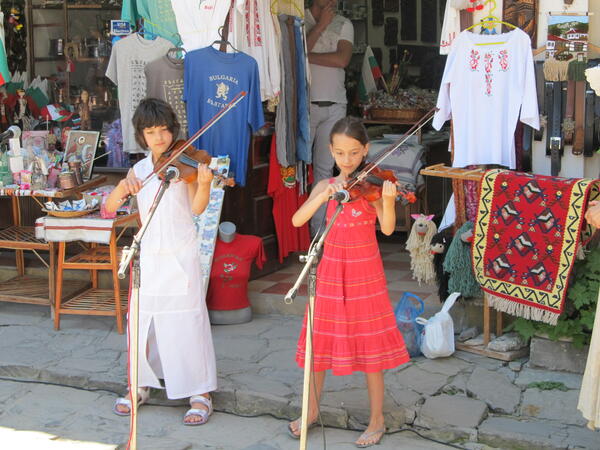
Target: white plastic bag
[(437, 338)]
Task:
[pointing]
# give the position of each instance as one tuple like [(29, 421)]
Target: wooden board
[(522, 14), (443, 171), (503, 356), (34, 290)]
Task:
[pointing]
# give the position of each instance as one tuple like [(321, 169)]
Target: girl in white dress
[(175, 338)]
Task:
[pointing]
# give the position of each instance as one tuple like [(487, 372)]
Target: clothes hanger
[(490, 19), (223, 41), (146, 34), (176, 55)]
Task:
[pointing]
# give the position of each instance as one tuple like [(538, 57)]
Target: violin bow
[(395, 146), (234, 101)]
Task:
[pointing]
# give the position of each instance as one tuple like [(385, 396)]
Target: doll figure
[(22, 114), (83, 109), (4, 114), (418, 245)]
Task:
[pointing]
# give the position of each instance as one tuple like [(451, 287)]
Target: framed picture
[(567, 37), (81, 146), (36, 140)]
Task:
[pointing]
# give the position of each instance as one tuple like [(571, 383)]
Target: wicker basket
[(69, 214), (395, 114)]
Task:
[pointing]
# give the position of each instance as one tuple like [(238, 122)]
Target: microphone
[(341, 196), (12, 132), (171, 173)]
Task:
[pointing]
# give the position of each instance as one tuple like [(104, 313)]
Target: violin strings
[(199, 133), (411, 131)]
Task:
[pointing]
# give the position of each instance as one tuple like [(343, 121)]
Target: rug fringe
[(520, 310)]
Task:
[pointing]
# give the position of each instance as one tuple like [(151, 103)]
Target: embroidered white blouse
[(485, 89)]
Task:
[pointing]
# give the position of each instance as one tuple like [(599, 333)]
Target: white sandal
[(143, 395), (202, 413)]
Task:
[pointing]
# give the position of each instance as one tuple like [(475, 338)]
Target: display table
[(106, 256), (28, 289)]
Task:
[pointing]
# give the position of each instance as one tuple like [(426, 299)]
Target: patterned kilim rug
[(525, 241)]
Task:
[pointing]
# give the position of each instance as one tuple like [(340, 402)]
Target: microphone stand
[(133, 319), (311, 261)]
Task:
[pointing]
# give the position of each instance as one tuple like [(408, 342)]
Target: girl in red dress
[(354, 326)]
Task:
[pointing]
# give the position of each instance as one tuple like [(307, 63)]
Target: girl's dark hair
[(153, 112), (351, 127)]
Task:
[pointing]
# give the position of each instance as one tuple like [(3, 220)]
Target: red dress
[(354, 325)]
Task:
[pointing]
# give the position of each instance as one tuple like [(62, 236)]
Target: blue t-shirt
[(211, 80)]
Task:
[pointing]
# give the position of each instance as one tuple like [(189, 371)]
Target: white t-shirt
[(327, 83), (485, 89), (126, 66), (198, 21)]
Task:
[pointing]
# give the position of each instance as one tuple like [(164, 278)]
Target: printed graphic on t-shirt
[(228, 276), (222, 85), (137, 82), (173, 95)]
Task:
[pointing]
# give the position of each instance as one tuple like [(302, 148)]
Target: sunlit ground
[(18, 439)]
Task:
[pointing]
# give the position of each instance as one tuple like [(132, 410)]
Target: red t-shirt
[(228, 286)]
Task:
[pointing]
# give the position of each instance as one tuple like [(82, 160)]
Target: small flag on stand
[(371, 76), (56, 112)]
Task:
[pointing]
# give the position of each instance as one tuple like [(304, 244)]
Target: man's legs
[(322, 120)]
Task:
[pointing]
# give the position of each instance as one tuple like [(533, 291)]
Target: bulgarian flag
[(4, 72), (56, 112), (370, 75)]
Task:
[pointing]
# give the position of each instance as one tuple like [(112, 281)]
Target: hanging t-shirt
[(164, 80), (451, 25), (158, 16), (198, 21), (284, 190), (211, 80), (128, 59), (485, 89), (228, 287)]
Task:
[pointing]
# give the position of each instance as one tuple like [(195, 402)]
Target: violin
[(367, 182), (174, 154), (371, 185), (187, 162)]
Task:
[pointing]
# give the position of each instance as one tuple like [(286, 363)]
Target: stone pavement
[(41, 417), (464, 398)]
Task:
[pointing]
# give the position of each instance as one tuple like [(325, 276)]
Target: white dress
[(173, 320), (589, 397)]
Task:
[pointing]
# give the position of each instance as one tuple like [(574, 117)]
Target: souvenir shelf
[(63, 30)]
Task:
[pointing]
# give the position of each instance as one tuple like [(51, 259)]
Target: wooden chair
[(95, 301)]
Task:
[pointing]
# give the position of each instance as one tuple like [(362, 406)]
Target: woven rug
[(526, 236)]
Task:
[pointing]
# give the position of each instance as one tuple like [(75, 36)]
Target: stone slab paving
[(39, 417), (465, 398)]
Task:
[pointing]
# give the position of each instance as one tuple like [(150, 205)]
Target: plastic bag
[(437, 337), (406, 313)]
